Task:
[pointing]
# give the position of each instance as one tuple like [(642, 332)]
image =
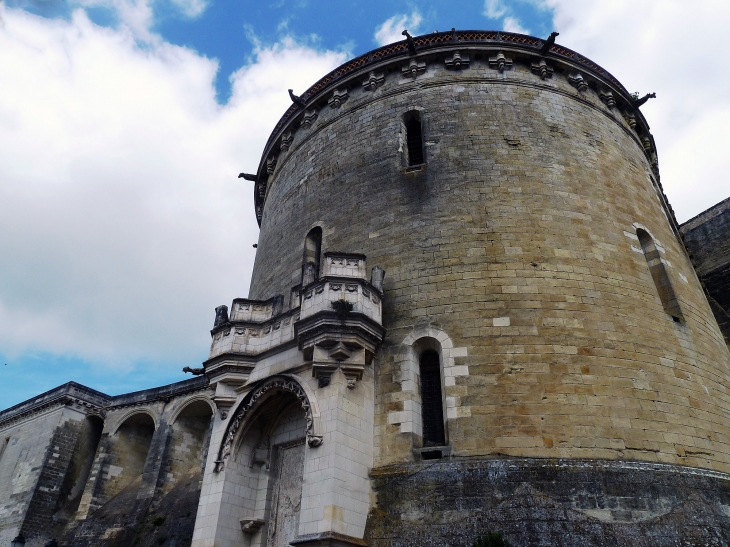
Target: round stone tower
[(550, 366)]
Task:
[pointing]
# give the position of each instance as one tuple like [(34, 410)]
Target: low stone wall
[(549, 502)]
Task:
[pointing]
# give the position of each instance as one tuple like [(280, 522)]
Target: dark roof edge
[(705, 215)]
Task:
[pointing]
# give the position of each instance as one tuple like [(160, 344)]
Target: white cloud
[(496, 9), (191, 8), (391, 30), (122, 222), (511, 24), (653, 46)]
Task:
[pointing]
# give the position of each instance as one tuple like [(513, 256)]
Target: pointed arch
[(255, 398)]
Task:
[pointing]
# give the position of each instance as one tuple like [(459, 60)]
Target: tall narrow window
[(312, 251), (432, 409), (659, 275), (414, 137)]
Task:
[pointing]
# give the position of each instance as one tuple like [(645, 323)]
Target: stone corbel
[(251, 525), (352, 373), (457, 61), (338, 98), (286, 140), (374, 81), (578, 82), (271, 165), (500, 62), (323, 373), (542, 69), (413, 69), (607, 98), (630, 118), (309, 118)]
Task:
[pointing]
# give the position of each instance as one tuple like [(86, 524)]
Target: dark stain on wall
[(547, 503)]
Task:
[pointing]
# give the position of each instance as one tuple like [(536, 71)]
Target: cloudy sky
[(123, 125)]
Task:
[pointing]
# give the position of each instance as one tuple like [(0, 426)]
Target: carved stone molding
[(607, 98), (309, 118), (457, 61), (374, 81), (338, 98), (577, 81), (500, 62), (413, 69), (286, 140), (542, 69), (250, 401)]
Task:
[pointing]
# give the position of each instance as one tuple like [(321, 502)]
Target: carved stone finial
[(500, 62), (221, 316), (578, 82), (549, 42), (296, 99), (542, 69), (376, 278), (410, 42), (338, 97), (457, 61), (413, 69), (374, 81), (636, 103)]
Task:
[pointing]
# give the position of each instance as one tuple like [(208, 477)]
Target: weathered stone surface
[(571, 503)]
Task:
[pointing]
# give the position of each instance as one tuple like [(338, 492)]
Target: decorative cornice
[(433, 46)]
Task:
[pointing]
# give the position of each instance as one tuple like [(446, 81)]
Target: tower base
[(548, 502)]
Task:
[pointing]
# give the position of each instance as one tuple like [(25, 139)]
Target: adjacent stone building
[(472, 309)]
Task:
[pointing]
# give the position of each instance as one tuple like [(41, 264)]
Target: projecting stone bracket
[(542, 69), (500, 62), (330, 355), (413, 69), (251, 525)]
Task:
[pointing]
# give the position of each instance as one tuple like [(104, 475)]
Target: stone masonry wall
[(516, 241), (707, 237), (546, 503), (48, 442)]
